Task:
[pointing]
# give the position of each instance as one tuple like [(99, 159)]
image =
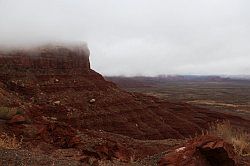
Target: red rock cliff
[(50, 58)]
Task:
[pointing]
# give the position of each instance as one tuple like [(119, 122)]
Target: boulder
[(57, 102), (60, 135), (92, 101), (17, 119), (205, 151), (111, 150)]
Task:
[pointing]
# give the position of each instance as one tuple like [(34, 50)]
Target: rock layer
[(46, 59)]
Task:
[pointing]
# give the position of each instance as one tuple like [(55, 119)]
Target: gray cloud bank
[(138, 37)]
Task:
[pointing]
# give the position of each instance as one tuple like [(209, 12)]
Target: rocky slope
[(61, 102)]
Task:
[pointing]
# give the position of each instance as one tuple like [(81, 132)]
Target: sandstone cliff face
[(47, 59)]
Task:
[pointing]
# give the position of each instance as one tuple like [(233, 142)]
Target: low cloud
[(146, 37)]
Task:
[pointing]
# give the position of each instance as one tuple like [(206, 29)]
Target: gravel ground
[(25, 158)]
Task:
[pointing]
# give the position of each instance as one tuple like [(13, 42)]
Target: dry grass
[(9, 142), (237, 137)]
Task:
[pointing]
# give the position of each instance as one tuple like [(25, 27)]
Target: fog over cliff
[(138, 37)]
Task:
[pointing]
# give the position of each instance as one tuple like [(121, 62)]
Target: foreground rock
[(205, 151)]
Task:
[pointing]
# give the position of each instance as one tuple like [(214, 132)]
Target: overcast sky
[(139, 37)]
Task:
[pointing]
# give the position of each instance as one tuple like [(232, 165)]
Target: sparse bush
[(9, 142), (237, 137), (8, 113)]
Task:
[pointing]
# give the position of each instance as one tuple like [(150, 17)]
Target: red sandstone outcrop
[(205, 151), (46, 59)]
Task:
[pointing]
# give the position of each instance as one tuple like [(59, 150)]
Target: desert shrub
[(237, 137), (9, 142), (8, 113)]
